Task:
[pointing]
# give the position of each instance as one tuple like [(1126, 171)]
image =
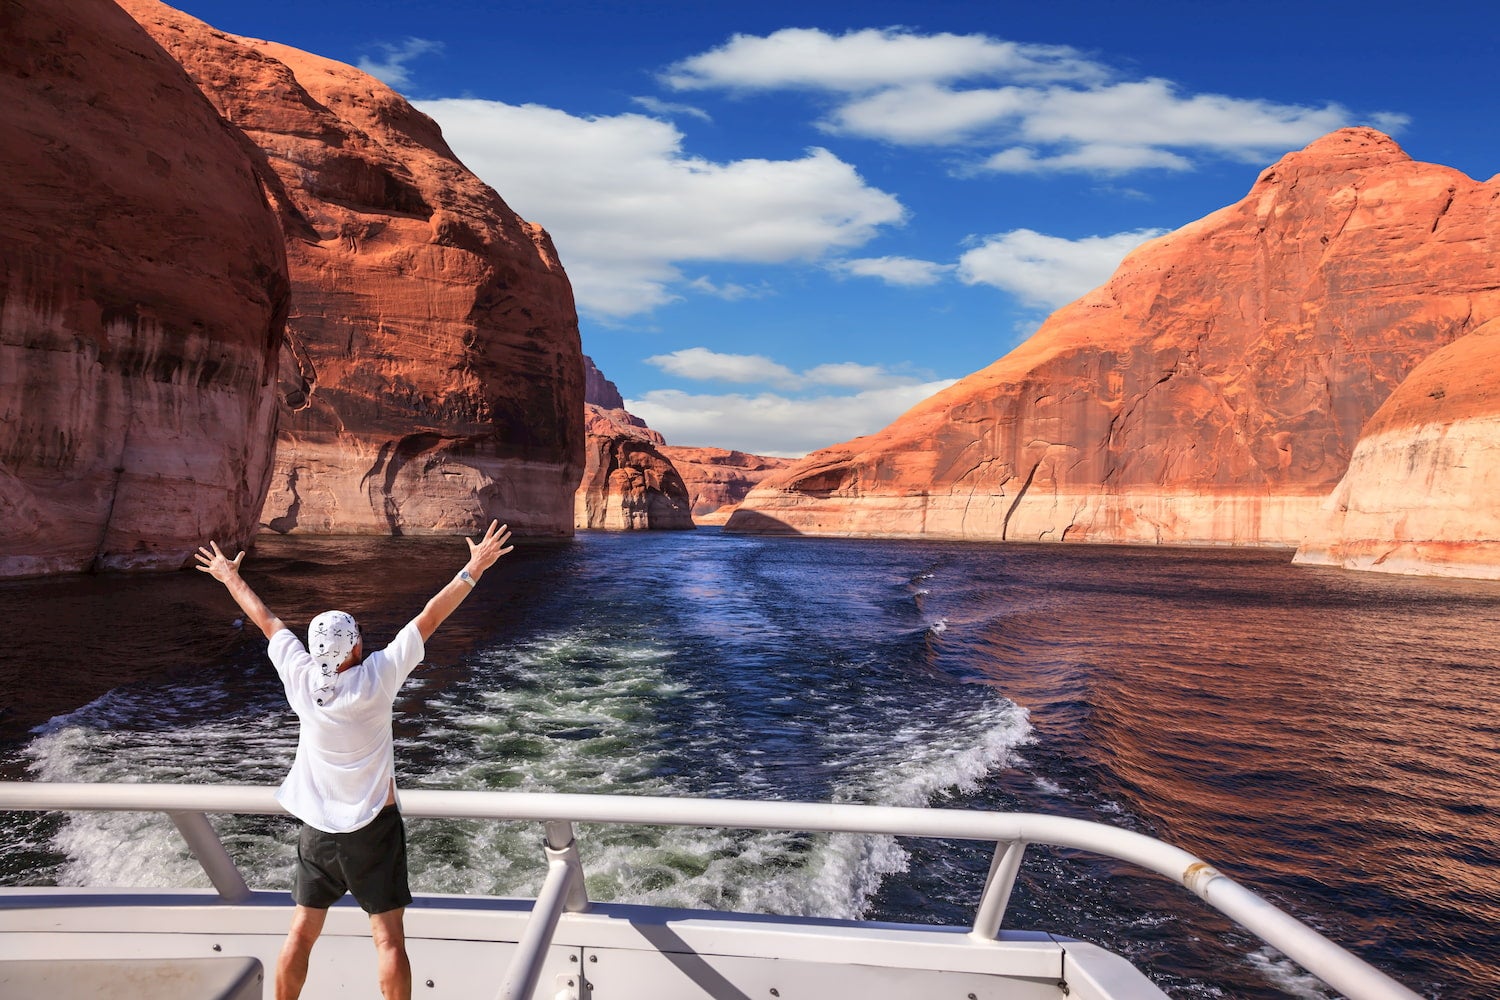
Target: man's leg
[(389, 931), (291, 967)]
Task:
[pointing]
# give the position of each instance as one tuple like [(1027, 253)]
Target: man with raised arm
[(342, 785)]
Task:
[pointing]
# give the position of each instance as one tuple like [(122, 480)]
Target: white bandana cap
[(331, 637)]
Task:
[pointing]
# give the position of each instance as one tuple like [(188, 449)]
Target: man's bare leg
[(291, 966), (389, 931)]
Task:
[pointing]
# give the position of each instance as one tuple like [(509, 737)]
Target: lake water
[(1329, 739)]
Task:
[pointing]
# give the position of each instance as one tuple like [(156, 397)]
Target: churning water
[(1332, 740)]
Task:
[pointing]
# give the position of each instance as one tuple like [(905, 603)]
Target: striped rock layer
[(143, 294), (432, 375), (1212, 392)]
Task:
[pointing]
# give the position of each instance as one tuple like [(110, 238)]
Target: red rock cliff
[(717, 479), (627, 483), (432, 375), (1211, 392), (1419, 496), (144, 289)]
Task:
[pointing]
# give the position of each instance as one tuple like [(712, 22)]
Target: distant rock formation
[(1211, 392), (601, 393), (718, 479), (1420, 493), (432, 376), (627, 484), (143, 294)]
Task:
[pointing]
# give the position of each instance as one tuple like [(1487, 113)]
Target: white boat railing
[(188, 806)]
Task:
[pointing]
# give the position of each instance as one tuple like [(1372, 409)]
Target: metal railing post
[(557, 893), (997, 886), (209, 850), (560, 839)]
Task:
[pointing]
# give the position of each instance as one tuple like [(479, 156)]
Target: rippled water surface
[(1331, 740)]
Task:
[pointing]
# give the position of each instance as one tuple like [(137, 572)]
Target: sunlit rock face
[(1420, 493), (1211, 392), (431, 377), (627, 483), (718, 479), (143, 295)]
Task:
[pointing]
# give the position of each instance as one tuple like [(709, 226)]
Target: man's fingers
[(209, 558)]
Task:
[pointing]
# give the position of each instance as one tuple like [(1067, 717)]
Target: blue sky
[(786, 223)]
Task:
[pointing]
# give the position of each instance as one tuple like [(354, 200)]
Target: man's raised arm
[(482, 555), (227, 572)]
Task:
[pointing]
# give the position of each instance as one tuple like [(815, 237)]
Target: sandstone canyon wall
[(432, 374), (143, 294), (1211, 392), (718, 479), (627, 483), (1420, 493)]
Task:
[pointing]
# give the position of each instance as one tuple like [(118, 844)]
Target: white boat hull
[(460, 948)]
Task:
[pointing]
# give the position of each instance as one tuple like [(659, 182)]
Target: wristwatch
[(463, 575)]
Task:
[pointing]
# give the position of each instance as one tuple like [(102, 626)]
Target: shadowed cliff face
[(144, 288), (1211, 392), (718, 479), (627, 484), (432, 376), (1419, 496), (634, 480)]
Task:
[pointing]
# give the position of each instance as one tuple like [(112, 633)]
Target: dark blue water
[(1331, 740)]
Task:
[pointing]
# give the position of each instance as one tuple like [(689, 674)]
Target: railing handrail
[(1334, 965)]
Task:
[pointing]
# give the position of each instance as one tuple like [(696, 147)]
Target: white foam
[(577, 712), (1287, 975)]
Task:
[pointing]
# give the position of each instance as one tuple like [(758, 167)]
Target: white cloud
[(773, 424), (907, 271), (925, 114), (626, 205), (729, 291), (1018, 108), (1100, 158), (1044, 270), (853, 375), (669, 109), (704, 365), (869, 59), (1152, 114), (392, 69)]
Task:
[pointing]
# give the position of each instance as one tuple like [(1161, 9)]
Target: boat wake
[(575, 712)]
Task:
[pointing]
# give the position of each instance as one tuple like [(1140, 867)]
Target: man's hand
[(218, 565), (227, 571), (484, 553)]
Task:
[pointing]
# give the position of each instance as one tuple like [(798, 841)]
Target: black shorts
[(369, 862)]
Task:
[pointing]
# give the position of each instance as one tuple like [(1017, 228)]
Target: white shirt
[(345, 765)]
